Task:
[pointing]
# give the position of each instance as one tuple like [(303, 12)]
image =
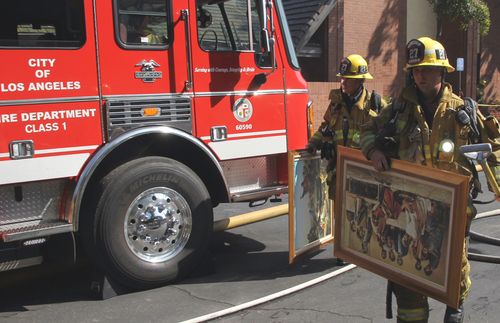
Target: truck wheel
[(153, 222)]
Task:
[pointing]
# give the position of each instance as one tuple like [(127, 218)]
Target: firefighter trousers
[(414, 307)]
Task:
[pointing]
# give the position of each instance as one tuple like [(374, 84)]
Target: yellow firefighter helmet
[(425, 51), (354, 67)]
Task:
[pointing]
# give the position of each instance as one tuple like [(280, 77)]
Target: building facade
[(325, 31)]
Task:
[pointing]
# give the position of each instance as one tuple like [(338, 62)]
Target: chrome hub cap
[(158, 224)]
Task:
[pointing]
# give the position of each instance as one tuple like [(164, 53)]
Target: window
[(42, 24), (142, 22), (224, 26)]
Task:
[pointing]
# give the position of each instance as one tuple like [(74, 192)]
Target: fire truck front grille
[(127, 114)]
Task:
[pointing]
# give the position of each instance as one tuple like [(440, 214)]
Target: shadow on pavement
[(234, 257), (239, 258), (44, 284)]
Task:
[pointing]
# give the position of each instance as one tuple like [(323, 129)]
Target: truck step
[(20, 263), (33, 229), (259, 193)]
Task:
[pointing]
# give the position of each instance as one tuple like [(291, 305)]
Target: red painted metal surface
[(272, 114)]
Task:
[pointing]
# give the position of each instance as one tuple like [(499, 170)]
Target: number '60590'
[(245, 126)]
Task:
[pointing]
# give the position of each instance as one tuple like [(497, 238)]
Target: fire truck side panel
[(263, 134), (296, 87), (130, 124), (296, 116), (63, 136), (44, 74), (121, 64), (49, 97), (30, 71), (234, 93)]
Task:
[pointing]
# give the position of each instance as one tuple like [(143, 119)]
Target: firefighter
[(136, 29), (144, 34), (350, 107), (427, 124)]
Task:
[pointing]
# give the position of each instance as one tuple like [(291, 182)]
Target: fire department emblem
[(415, 52), (344, 66), (148, 73), (242, 110)]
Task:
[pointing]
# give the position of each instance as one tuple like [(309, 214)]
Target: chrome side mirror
[(264, 32), (263, 15), (265, 40)]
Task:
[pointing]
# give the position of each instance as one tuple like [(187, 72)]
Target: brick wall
[(494, 110), (319, 91), (490, 55), (374, 29), (459, 43), (335, 41)]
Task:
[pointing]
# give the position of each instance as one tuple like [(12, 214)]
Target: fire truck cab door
[(142, 50), (50, 117), (239, 99)]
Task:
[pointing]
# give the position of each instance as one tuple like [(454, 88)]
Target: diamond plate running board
[(32, 229)]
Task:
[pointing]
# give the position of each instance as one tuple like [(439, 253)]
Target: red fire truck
[(124, 122)]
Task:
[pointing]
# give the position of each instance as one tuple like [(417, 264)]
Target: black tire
[(153, 197)]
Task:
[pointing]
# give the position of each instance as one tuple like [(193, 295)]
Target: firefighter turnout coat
[(415, 141), (342, 127)]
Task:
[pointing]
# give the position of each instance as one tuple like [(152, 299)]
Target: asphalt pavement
[(249, 263)]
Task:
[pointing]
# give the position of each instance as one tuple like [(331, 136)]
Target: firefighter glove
[(327, 151), (311, 147), (379, 160), (388, 144)]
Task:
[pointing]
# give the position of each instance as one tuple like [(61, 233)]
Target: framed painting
[(406, 224), (310, 209)]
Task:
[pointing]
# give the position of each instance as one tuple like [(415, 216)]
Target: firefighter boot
[(453, 315)]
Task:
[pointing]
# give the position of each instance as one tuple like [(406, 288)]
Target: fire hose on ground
[(251, 217), (272, 212), (485, 239), (478, 155), (477, 152)]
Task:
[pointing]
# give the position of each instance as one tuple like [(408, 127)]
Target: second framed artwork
[(310, 209), (406, 224)]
